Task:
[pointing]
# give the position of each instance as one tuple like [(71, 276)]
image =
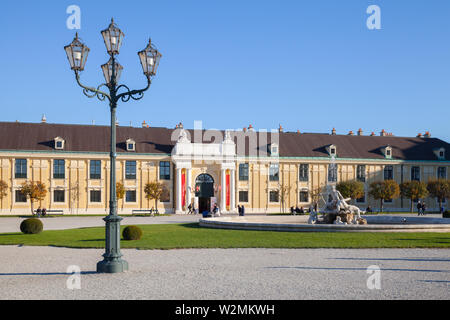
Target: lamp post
[(77, 54)]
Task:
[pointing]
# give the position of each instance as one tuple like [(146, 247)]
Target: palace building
[(258, 169)]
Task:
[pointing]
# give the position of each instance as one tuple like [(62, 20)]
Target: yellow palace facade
[(258, 170)]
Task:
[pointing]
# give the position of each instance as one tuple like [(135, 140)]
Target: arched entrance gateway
[(204, 191)]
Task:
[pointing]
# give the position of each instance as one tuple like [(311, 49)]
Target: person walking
[(419, 208), (424, 207), (239, 210), (38, 212), (243, 211)]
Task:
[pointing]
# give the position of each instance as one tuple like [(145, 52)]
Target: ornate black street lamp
[(77, 54)]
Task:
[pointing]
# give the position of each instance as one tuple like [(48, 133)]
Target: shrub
[(31, 226), (132, 233)]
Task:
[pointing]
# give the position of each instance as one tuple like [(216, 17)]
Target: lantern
[(113, 38), (77, 54), (108, 71), (149, 57)]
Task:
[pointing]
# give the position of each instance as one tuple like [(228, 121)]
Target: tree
[(153, 191), (120, 190), (316, 196), (3, 189), (439, 189), (413, 190), (35, 191), (384, 190), (351, 189), (284, 193)]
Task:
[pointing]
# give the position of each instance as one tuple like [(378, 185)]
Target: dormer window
[(131, 145), (332, 150), (440, 153), (274, 149), (388, 152), (59, 143)]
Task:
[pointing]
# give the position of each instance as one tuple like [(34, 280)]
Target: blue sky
[(310, 65)]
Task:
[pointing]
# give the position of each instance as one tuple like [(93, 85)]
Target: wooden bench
[(144, 212), (51, 212)]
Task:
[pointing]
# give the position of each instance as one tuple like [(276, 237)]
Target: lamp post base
[(112, 262), (115, 266)]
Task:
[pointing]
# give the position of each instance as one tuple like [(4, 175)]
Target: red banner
[(183, 188), (228, 189)]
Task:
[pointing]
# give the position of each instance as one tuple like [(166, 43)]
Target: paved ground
[(279, 274)]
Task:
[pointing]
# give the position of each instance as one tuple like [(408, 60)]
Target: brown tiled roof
[(91, 138)]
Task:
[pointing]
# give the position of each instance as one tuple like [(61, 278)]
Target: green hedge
[(132, 233), (31, 226)]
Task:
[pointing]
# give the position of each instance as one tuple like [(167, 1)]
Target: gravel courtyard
[(221, 274)]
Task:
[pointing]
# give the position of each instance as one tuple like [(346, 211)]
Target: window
[(388, 201), (274, 149), (96, 196), (388, 173), (131, 145), (165, 195), (130, 170), (273, 196), (243, 196), (388, 152), (361, 173), (274, 172), (164, 170), (304, 196), (95, 170), (20, 197), (59, 169), (304, 173), (59, 196), (21, 169), (243, 172), (332, 173), (130, 196), (442, 173), (59, 143), (415, 173)]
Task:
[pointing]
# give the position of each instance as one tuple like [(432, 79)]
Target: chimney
[(419, 135), (250, 128), (427, 134), (280, 129), (180, 125), (245, 129), (383, 133), (350, 133), (360, 132), (333, 132), (298, 131), (372, 134), (43, 119), (144, 125)]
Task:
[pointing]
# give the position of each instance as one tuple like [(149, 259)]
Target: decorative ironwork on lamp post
[(77, 54)]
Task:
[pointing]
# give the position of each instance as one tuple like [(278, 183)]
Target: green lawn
[(178, 236)]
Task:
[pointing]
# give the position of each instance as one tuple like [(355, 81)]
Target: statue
[(183, 136), (337, 205)]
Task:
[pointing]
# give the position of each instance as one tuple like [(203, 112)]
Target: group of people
[(40, 212), (191, 209), (421, 208), (241, 210), (297, 210)]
